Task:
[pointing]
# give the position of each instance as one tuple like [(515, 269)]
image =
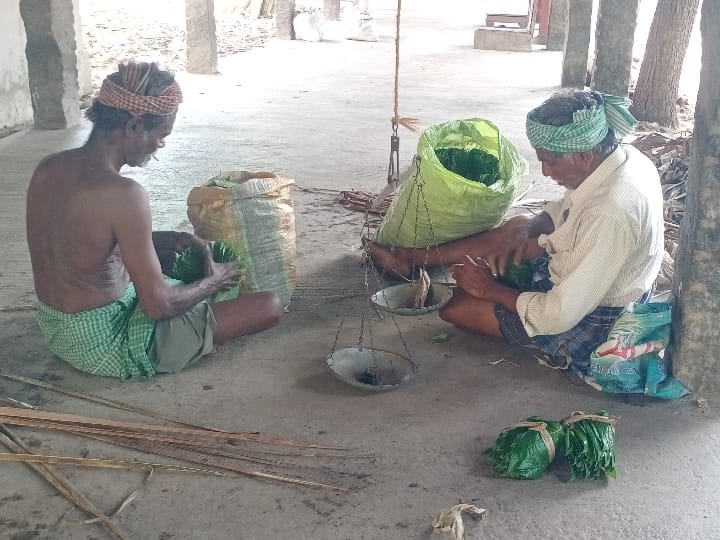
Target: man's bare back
[(74, 251)]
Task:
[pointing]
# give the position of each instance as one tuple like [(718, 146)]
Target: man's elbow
[(155, 309), (550, 326)]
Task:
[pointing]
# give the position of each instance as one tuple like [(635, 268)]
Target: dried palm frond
[(61, 483)]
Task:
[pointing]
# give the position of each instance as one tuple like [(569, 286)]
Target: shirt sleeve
[(603, 247)]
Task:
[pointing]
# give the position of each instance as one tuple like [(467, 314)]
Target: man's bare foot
[(392, 261)]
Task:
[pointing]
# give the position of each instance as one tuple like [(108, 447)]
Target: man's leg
[(247, 314), (400, 260), (469, 313)]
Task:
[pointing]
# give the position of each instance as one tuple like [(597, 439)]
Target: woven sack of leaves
[(525, 449), (590, 445)]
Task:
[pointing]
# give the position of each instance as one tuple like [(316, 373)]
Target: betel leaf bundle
[(473, 164), (189, 264), (590, 445), (517, 275), (526, 449)]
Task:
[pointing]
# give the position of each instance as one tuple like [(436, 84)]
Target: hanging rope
[(396, 118), (408, 123)]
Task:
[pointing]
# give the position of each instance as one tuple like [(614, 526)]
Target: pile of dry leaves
[(670, 152)]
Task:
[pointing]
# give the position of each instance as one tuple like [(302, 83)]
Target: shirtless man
[(105, 306)]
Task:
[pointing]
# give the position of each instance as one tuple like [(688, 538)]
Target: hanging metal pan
[(373, 370), (399, 299)]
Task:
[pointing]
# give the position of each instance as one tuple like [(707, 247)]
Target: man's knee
[(272, 307), (450, 313)]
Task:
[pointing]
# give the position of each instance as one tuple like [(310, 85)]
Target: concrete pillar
[(577, 44), (52, 62), (696, 326), (284, 14), (84, 71), (200, 36), (558, 25), (331, 10), (614, 39), (15, 105)]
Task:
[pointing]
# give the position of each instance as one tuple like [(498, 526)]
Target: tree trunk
[(614, 39), (284, 14), (577, 43), (331, 10), (659, 79), (696, 332)]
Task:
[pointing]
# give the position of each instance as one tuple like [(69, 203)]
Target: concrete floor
[(323, 119)]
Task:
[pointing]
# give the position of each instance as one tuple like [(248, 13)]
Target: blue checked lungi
[(571, 347)]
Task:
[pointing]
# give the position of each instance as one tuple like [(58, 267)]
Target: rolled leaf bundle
[(189, 264), (526, 449), (590, 445), (473, 164), (518, 276)]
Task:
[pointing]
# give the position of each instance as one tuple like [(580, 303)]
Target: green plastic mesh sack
[(590, 445), (437, 205), (526, 449)]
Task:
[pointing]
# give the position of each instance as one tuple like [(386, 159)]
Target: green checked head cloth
[(588, 128)]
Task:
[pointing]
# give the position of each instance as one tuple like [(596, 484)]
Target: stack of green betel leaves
[(590, 445), (517, 275), (473, 163), (189, 265), (526, 449)]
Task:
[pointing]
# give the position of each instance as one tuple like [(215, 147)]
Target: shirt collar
[(598, 176)]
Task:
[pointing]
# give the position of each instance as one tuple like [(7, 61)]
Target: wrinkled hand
[(510, 240), (224, 275), (475, 278), (168, 244), (185, 240)]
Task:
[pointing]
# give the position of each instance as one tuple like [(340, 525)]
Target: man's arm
[(169, 243), (542, 223), (604, 244), (475, 278), (132, 224), (519, 238)]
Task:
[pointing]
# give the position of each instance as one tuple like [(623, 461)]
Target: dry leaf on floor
[(546, 363), (496, 362), (451, 521), (440, 338)]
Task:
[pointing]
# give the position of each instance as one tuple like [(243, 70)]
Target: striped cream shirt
[(607, 246)]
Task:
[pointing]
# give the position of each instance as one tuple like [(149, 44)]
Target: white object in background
[(308, 26), (364, 28)]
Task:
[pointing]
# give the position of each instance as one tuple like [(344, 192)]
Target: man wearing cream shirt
[(602, 242)]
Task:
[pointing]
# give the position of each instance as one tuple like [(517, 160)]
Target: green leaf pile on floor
[(590, 445), (526, 449), (522, 452), (189, 265), (474, 164)]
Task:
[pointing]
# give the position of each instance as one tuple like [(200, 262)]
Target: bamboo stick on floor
[(226, 464), (102, 401), (61, 483), (14, 415)]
